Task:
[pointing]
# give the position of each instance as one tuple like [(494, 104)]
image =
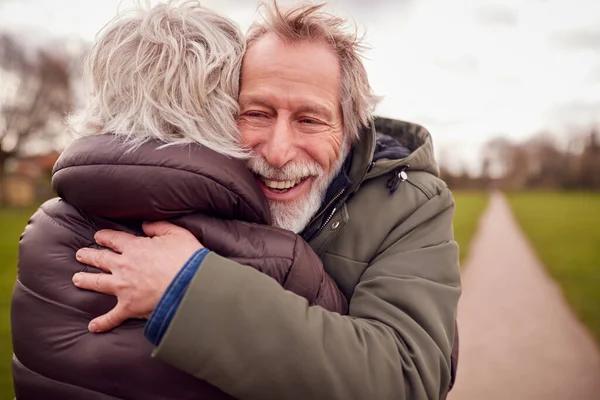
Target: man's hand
[(140, 269)]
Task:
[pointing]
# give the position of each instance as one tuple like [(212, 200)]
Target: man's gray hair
[(308, 22), (168, 73)]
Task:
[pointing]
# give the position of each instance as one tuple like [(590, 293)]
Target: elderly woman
[(158, 141)]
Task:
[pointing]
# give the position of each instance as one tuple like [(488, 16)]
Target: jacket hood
[(101, 176), (377, 155)]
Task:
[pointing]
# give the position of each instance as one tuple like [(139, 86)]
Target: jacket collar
[(362, 157), (384, 146)]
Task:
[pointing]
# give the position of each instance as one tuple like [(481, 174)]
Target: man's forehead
[(278, 72), (270, 50)]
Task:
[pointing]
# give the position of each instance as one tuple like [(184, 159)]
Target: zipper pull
[(400, 175)]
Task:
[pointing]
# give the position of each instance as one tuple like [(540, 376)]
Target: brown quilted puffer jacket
[(102, 185)]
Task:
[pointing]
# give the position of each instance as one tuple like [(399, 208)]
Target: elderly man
[(364, 194)]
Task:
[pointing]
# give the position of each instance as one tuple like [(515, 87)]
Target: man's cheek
[(328, 161), (252, 136), (323, 154)]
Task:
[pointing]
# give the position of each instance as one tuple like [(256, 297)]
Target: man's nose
[(280, 147)]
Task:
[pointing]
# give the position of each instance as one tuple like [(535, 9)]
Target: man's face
[(290, 116)]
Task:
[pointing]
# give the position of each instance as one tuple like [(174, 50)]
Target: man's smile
[(284, 190)]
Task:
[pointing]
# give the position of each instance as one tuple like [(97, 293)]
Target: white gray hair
[(168, 73)]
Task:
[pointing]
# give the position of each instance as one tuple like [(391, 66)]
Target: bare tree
[(589, 162), (541, 163), (507, 162), (36, 95), (548, 164)]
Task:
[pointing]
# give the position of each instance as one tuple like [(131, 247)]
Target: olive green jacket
[(393, 255)]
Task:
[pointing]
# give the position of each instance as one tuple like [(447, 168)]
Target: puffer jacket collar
[(102, 177)]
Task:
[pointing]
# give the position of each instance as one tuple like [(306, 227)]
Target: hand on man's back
[(139, 269)]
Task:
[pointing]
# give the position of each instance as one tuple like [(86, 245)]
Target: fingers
[(108, 321), (160, 228), (114, 239), (173, 234), (100, 282), (106, 260)]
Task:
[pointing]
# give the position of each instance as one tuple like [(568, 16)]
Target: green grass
[(469, 206), (564, 228), (12, 223)]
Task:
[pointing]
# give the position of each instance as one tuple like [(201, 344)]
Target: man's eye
[(309, 121), (254, 114)]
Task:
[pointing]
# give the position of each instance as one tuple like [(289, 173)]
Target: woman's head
[(168, 73)]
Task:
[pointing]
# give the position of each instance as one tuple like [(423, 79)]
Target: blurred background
[(510, 91)]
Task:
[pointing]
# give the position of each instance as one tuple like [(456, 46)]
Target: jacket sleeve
[(241, 332), (280, 254)]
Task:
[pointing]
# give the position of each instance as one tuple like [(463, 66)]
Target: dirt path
[(519, 339)]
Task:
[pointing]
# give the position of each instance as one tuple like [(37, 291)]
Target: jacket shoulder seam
[(420, 187), (54, 221), (443, 192), (66, 383), (345, 258), (50, 301)]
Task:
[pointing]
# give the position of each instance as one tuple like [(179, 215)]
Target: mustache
[(289, 172)]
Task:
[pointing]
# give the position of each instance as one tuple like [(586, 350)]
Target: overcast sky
[(466, 70)]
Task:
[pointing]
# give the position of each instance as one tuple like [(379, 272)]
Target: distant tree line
[(538, 163)]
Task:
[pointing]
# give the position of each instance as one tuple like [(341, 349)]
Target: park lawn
[(564, 228), (12, 223), (469, 207)]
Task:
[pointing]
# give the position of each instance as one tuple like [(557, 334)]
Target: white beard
[(295, 215)]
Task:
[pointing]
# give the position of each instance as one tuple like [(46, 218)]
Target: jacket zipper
[(337, 196)]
